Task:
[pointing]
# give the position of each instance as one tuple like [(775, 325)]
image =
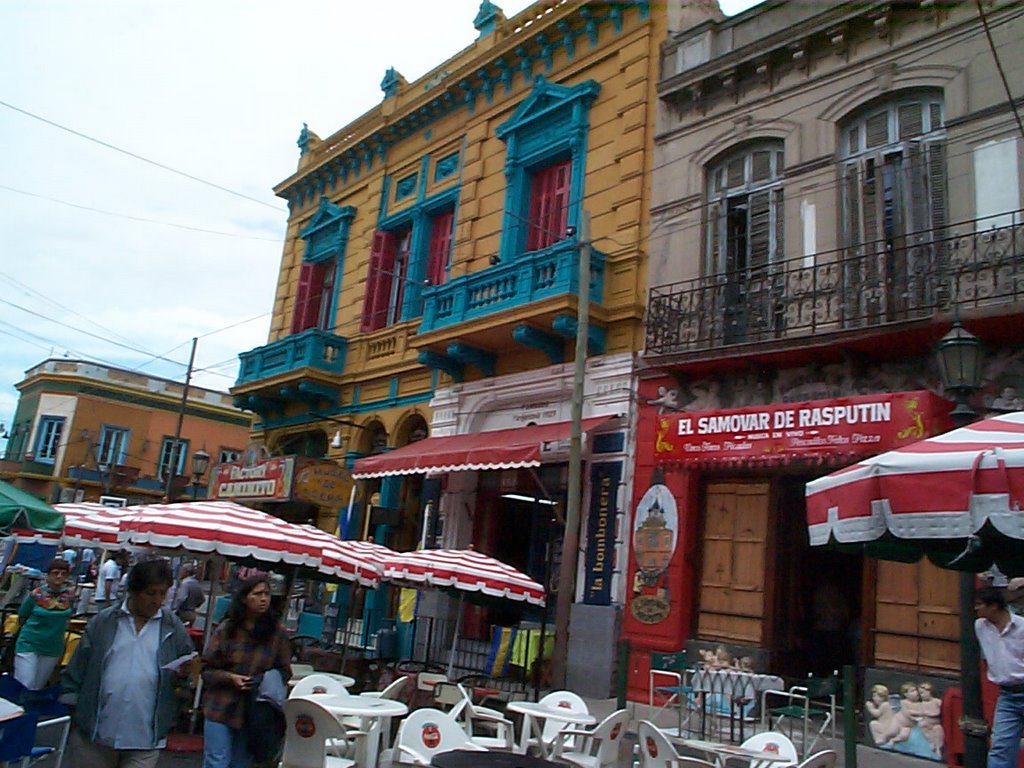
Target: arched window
[(893, 207), (744, 215), (893, 169)]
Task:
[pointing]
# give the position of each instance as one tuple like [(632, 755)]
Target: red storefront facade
[(719, 549)]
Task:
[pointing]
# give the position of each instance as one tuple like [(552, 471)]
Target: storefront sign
[(604, 488), (323, 483), (864, 424), (265, 480)]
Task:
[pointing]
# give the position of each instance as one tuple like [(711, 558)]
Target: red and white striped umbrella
[(359, 561), (88, 524), (464, 570), (950, 486), (223, 528)]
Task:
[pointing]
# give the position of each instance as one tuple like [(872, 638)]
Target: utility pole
[(175, 457), (570, 542)]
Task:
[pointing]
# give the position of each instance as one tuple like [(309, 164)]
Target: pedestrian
[(123, 695), (189, 595), (249, 642), (109, 576), (1001, 637), (44, 616), (86, 563)]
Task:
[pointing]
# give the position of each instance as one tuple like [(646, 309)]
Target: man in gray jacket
[(123, 697)]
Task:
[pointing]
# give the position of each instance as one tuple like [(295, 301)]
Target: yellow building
[(426, 310), (84, 431)]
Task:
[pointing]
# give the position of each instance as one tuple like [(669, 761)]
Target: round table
[(464, 758), (370, 710), (345, 680), (535, 714)]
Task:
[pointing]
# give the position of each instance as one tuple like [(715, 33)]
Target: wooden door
[(917, 616), (732, 582)]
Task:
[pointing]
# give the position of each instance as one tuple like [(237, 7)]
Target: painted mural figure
[(910, 724), (931, 718), (655, 534)]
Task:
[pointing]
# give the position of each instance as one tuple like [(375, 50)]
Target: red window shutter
[(378, 281), (302, 297), (440, 247), (549, 205)]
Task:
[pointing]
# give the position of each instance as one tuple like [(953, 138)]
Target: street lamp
[(200, 463), (959, 356)]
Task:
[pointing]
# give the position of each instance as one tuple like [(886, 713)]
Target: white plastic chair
[(566, 700), (392, 690), (594, 748), (472, 716), (427, 732), (772, 741), (656, 751), (316, 685), (310, 730)]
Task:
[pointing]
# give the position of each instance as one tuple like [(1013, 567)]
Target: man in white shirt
[(110, 575), (1001, 637)]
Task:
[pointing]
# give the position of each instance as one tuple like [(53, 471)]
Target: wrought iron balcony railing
[(533, 276), (972, 264), (312, 348)]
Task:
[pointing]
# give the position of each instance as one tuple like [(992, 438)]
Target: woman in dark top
[(248, 642)]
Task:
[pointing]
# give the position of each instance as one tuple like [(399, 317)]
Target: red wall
[(678, 581)]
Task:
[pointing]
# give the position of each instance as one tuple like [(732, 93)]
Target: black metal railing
[(969, 265)]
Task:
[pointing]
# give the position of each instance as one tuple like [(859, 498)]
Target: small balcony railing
[(312, 348), (533, 276), (971, 265)]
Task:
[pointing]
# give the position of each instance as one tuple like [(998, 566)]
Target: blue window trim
[(326, 237), (182, 454), (418, 216), (122, 451), (50, 437), (551, 124)]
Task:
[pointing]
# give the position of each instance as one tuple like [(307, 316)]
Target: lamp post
[(200, 463), (959, 357)]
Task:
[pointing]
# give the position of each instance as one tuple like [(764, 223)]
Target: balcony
[(537, 289), (301, 366), (975, 267)]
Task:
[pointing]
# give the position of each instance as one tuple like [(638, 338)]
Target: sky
[(139, 144)]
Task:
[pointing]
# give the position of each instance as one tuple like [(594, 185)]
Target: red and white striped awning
[(497, 449), (221, 527), (88, 524), (944, 487), (463, 569)]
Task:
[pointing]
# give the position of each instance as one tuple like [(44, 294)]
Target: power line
[(135, 156), (142, 219)]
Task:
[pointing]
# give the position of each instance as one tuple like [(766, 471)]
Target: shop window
[(113, 446), (172, 454), (48, 441), (318, 284)]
